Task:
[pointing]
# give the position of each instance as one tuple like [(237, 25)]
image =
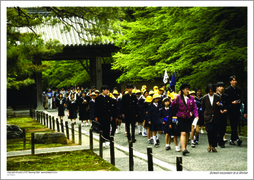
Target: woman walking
[(187, 111)]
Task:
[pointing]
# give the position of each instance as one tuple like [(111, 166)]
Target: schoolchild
[(49, 97), (72, 108), (60, 104), (78, 94), (186, 112), (198, 98), (223, 113), (129, 111), (151, 93), (139, 119), (92, 106), (83, 104), (153, 118), (113, 123), (72, 92), (103, 113), (195, 126), (56, 95), (118, 107), (145, 105), (97, 92), (63, 92), (166, 115)]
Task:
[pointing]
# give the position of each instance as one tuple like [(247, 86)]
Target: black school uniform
[(175, 129), (200, 113), (233, 109), (144, 113), (166, 115), (153, 116), (130, 111), (140, 102), (60, 105), (115, 115), (72, 107), (102, 111), (83, 104)]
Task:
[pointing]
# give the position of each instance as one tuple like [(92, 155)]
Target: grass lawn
[(85, 160), (31, 126)]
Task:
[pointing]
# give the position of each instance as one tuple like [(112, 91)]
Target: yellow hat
[(192, 92), (172, 95), (93, 94), (156, 92), (115, 92), (111, 95), (133, 91), (149, 99), (138, 91), (151, 92), (144, 87), (155, 88), (126, 92), (155, 96), (168, 93), (161, 89)]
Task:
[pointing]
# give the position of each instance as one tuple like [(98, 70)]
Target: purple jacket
[(182, 110)]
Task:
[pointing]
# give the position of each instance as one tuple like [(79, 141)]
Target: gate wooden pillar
[(96, 72), (39, 87)]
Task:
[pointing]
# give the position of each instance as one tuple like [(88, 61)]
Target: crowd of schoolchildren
[(156, 111)]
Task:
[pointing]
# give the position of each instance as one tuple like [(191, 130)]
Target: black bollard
[(32, 143), (62, 126), (57, 125), (80, 135), (34, 114), (101, 144), (131, 156), (47, 118), (72, 133), (24, 139), (44, 119), (31, 113), (53, 122), (50, 125), (112, 150), (67, 130), (179, 166), (150, 158), (91, 139)]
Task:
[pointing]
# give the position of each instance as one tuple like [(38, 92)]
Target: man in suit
[(211, 110), (234, 98), (103, 113), (129, 111), (223, 113)]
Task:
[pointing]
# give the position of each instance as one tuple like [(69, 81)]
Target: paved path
[(231, 158)]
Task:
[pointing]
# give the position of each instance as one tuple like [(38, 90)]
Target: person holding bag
[(187, 111)]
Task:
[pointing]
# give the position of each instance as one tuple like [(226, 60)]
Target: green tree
[(200, 43)]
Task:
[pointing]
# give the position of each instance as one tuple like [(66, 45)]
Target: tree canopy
[(200, 43)]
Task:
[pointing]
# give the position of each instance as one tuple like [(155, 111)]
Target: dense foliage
[(200, 43)]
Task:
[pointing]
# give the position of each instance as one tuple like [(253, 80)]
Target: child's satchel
[(95, 126)]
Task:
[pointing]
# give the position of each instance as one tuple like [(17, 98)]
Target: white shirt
[(211, 98), (166, 108), (185, 99), (156, 104)]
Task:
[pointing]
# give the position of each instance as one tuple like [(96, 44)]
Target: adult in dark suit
[(211, 110), (103, 114), (129, 111), (223, 111), (234, 98)]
